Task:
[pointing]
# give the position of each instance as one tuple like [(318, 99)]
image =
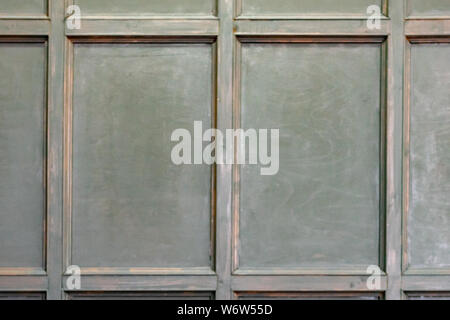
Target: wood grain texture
[(147, 7), (22, 154), (428, 221), (322, 209), (131, 206)]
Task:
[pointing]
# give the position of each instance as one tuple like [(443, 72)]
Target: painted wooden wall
[(86, 118)]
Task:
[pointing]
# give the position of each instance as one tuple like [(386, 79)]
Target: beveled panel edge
[(145, 283), (154, 27), (309, 283), (42, 270), (423, 28), (411, 40), (310, 28)]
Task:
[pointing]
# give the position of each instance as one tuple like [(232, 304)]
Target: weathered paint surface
[(307, 7), (322, 208), (429, 218), (22, 149), (141, 7), (23, 7), (429, 8), (132, 207), (145, 228)]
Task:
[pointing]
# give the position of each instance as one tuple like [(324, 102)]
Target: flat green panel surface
[(429, 7), (322, 209), (23, 7), (308, 296), (306, 7), (142, 7), (141, 296), (429, 218), (131, 206), (22, 149)]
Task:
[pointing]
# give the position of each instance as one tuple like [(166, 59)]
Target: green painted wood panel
[(142, 296), (131, 206), (307, 7), (23, 7), (429, 7), (147, 7), (22, 152), (307, 296), (429, 217), (22, 296), (322, 208)]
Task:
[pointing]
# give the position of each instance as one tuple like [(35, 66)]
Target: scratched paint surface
[(131, 206), (429, 218), (22, 146), (322, 209), (295, 7), (129, 7)]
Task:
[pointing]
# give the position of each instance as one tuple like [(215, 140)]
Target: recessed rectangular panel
[(147, 7), (22, 153), (307, 296), (429, 8), (429, 204), (428, 295), (322, 208), (22, 296), (23, 7), (132, 206), (141, 296), (307, 7)]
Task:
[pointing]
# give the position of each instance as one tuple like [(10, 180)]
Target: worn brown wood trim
[(343, 28), (427, 28), (22, 272), (146, 27), (67, 167), (23, 283), (105, 271), (308, 283), (146, 283), (395, 61), (257, 38), (362, 271), (225, 49), (426, 283), (24, 27)]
